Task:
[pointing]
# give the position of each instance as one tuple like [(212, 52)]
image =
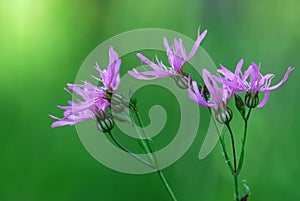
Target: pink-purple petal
[(212, 86), (238, 69), (196, 96), (196, 44), (226, 73), (265, 99), (285, 77)]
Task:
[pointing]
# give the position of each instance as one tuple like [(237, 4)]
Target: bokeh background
[(42, 46)]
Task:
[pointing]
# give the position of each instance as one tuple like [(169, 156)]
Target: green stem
[(241, 160), (129, 152), (148, 140), (144, 140), (235, 173), (151, 150), (163, 179), (233, 148), (222, 144), (236, 188)]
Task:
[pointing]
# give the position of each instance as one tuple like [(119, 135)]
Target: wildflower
[(90, 100), (176, 57), (257, 83), (110, 77), (85, 107), (218, 97)]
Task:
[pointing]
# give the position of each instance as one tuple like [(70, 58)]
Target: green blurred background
[(42, 46)]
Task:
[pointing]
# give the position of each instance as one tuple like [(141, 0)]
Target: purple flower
[(234, 80), (91, 101), (216, 98), (252, 81), (88, 101), (110, 77), (176, 57)]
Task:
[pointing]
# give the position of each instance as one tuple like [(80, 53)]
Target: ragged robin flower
[(252, 82), (176, 58), (217, 99), (90, 101)]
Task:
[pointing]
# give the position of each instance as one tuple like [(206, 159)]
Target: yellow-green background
[(43, 44)]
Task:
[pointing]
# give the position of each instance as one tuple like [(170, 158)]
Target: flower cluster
[(251, 82), (93, 101), (97, 102)]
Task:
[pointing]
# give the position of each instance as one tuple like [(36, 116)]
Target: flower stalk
[(224, 150), (129, 152), (241, 160), (150, 149), (235, 171)]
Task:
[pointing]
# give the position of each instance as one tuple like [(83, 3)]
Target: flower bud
[(245, 198), (117, 107), (105, 125), (104, 122), (120, 117), (223, 116), (117, 98), (251, 99), (239, 103), (181, 80), (100, 114)]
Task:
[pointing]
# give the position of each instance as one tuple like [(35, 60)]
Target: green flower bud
[(120, 117), (245, 198), (104, 122), (105, 125), (181, 80), (251, 99), (117, 107), (223, 116), (239, 103), (100, 114), (117, 98)]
